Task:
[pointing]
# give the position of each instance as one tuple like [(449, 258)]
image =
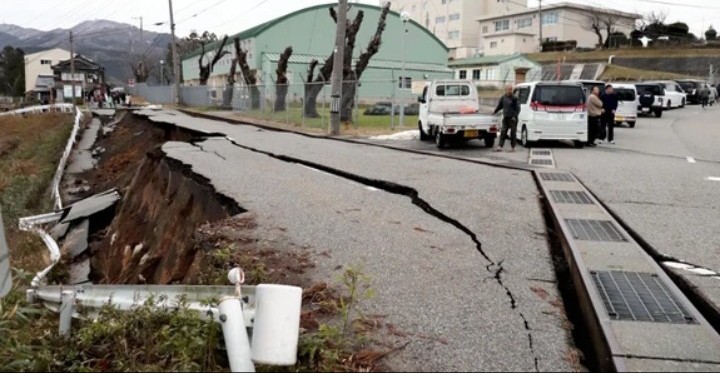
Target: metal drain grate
[(633, 296), (571, 197), (541, 152), (594, 230), (542, 162), (556, 177)]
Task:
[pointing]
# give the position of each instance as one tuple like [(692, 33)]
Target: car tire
[(658, 113), (489, 141), (669, 105), (440, 140), (423, 136), (631, 124), (579, 144), (682, 106), (524, 137)]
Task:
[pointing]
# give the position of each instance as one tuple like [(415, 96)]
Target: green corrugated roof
[(374, 63), (259, 29), (484, 60)]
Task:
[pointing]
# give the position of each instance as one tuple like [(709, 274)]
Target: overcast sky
[(231, 16)]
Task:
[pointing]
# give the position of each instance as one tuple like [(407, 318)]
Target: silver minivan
[(627, 111)]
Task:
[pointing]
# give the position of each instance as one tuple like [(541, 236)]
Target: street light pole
[(405, 18), (162, 72)]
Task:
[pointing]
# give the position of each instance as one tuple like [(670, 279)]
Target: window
[(476, 74), (490, 73), (454, 35), (550, 18), (452, 90), (463, 75), (559, 95), (493, 45), (454, 17), (485, 29), (45, 62), (405, 82), (502, 25), (444, 2), (524, 22), (625, 94), (522, 94), (552, 38), (440, 19)]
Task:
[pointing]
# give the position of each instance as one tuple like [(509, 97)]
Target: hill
[(108, 43)]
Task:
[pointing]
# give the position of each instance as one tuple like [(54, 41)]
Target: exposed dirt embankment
[(151, 238)]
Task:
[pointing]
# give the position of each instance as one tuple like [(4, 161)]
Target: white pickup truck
[(449, 114)]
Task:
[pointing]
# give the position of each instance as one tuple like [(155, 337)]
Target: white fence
[(63, 161), (63, 108)]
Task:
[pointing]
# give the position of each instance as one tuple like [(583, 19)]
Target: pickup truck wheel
[(631, 124), (524, 138), (658, 113), (423, 136), (440, 140), (489, 141)]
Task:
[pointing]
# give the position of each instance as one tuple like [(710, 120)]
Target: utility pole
[(72, 66), (540, 21), (176, 60), (142, 30), (338, 67)]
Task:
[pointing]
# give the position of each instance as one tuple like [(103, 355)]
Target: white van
[(627, 111), (552, 111)]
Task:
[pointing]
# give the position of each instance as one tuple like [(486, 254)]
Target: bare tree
[(314, 84), (281, 85), (141, 68), (595, 24), (249, 77), (230, 90), (609, 21), (206, 69)]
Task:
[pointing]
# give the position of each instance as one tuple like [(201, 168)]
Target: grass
[(603, 55), (363, 124), (620, 73)]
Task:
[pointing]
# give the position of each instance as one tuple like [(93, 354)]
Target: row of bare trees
[(314, 83)]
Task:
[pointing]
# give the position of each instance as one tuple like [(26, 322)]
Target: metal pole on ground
[(236, 337), (338, 66), (67, 308)]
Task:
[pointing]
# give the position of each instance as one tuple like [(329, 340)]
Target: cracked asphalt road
[(413, 223)]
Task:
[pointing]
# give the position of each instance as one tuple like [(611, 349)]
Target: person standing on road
[(705, 96), (594, 111), (610, 106), (510, 107)]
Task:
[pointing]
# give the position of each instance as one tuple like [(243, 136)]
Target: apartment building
[(38, 67), (455, 22), (518, 31)]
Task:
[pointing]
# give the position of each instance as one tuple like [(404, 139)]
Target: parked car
[(552, 111), (675, 96), (380, 108), (588, 85), (627, 111), (449, 113), (693, 88), (651, 97)]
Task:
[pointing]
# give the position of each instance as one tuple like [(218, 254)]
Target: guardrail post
[(237, 341), (67, 308)]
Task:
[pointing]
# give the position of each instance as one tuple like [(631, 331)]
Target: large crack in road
[(495, 268)]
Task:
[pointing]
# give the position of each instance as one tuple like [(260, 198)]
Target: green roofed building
[(311, 33)]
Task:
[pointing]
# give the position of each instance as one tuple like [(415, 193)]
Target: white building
[(455, 21), (40, 65), (493, 71), (518, 32)]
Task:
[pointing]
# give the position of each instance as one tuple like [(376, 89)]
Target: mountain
[(108, 43)]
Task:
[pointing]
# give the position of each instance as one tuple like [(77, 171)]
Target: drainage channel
[(636, 317)]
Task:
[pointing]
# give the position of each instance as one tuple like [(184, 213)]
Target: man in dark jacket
[(510, 107), (610, 106)]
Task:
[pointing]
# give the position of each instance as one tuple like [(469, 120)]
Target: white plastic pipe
[(237, 342), (277, 324)]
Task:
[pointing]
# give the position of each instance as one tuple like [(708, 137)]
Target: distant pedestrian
[(510, 106), (610, 106), (594, 111), (705, 96)]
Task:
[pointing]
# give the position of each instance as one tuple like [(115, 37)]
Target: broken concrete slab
[(76, 241), (80, 273), (91, 206)]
